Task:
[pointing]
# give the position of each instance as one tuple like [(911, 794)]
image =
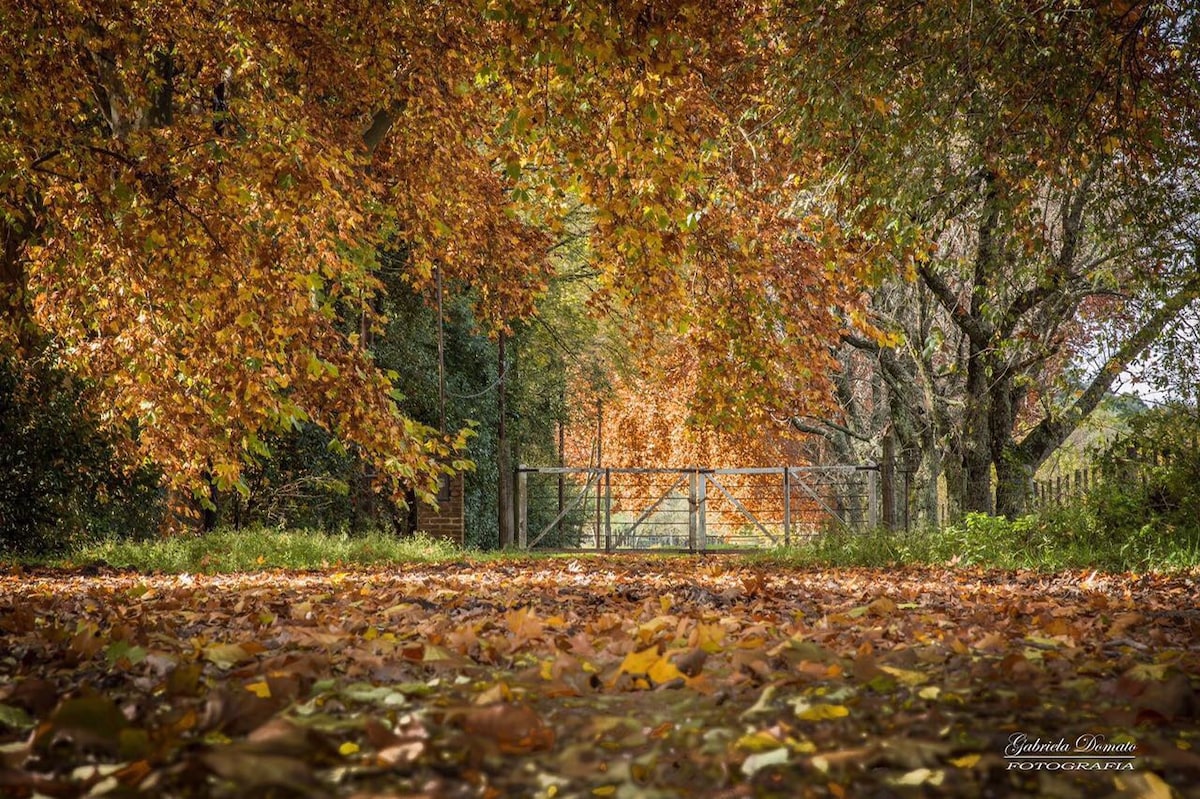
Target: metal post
[(562, 481), (693, 507), (873, 498), (787, 506), (608, 544), (523, 508), (701, 515), (597, 514)]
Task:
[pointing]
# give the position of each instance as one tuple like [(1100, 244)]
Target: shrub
[(61, 480)]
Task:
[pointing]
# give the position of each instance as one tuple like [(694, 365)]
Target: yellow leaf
[(604, 790), (804, 747), (1148, 672), (709, 637), (348, 748), (1146, 785), (260, 689), (966, 761), (906, 676), (226, 655), (640, 662), (821, 712), (920, 776), (760, 741), (929, 692), (664, 671)]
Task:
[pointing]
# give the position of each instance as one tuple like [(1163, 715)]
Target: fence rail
[(694, 509)]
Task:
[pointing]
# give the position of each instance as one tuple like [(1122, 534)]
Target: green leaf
[(15, 718)]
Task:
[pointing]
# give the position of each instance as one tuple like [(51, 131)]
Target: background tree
[(1034, 168)]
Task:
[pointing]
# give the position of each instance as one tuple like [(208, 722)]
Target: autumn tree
[(1033, 170), (195, 196)]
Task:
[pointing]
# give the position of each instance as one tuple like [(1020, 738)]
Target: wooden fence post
[(887, 475)]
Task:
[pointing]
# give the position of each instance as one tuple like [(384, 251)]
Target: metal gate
[(694, 509)]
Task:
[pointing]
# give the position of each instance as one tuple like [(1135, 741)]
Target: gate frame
[(697, 481)]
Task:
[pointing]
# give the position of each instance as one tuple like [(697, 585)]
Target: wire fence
[(692, 509)]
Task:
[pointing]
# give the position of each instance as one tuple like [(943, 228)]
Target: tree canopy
[(197, 201), (195, 197)]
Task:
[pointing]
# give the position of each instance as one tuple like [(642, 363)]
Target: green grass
[(265, 548), (1056, 540)]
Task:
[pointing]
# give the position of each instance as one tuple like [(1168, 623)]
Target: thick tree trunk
[(976, 438), (1014, 479), (1014, 473), (504, 509)]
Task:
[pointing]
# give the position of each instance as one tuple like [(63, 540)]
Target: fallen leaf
[(756, 762), (819, 711)]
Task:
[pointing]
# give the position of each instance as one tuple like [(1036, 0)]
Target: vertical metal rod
[(561, 476), (597, 514), (907, 503), (608, 543), (872, 498), (787, 506), (693, 508), (523, 508), (702, 522)]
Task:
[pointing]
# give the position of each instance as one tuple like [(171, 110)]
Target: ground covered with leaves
[(600, 677)]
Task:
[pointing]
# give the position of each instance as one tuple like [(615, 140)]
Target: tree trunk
[(976, 435), (504, 465), (1014, 479), (1013, 472)]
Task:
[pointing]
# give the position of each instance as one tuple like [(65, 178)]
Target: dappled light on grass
[(264, 548), (620, 676)]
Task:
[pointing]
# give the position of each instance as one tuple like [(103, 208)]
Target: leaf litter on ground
[(620, 676)]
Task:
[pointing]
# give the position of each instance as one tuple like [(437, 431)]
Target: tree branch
[(381, 123), (945, 296), (1052, 431), (804, 427)]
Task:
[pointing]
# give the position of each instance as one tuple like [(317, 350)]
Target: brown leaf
[(87, 723), (249, 769), (515, 728)]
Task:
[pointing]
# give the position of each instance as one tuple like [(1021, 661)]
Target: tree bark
[(504, 486)]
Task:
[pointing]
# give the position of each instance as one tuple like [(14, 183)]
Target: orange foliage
[(193, 195), (647, 421)]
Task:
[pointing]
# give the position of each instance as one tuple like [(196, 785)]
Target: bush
[(1148, 501), (61, 480)]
